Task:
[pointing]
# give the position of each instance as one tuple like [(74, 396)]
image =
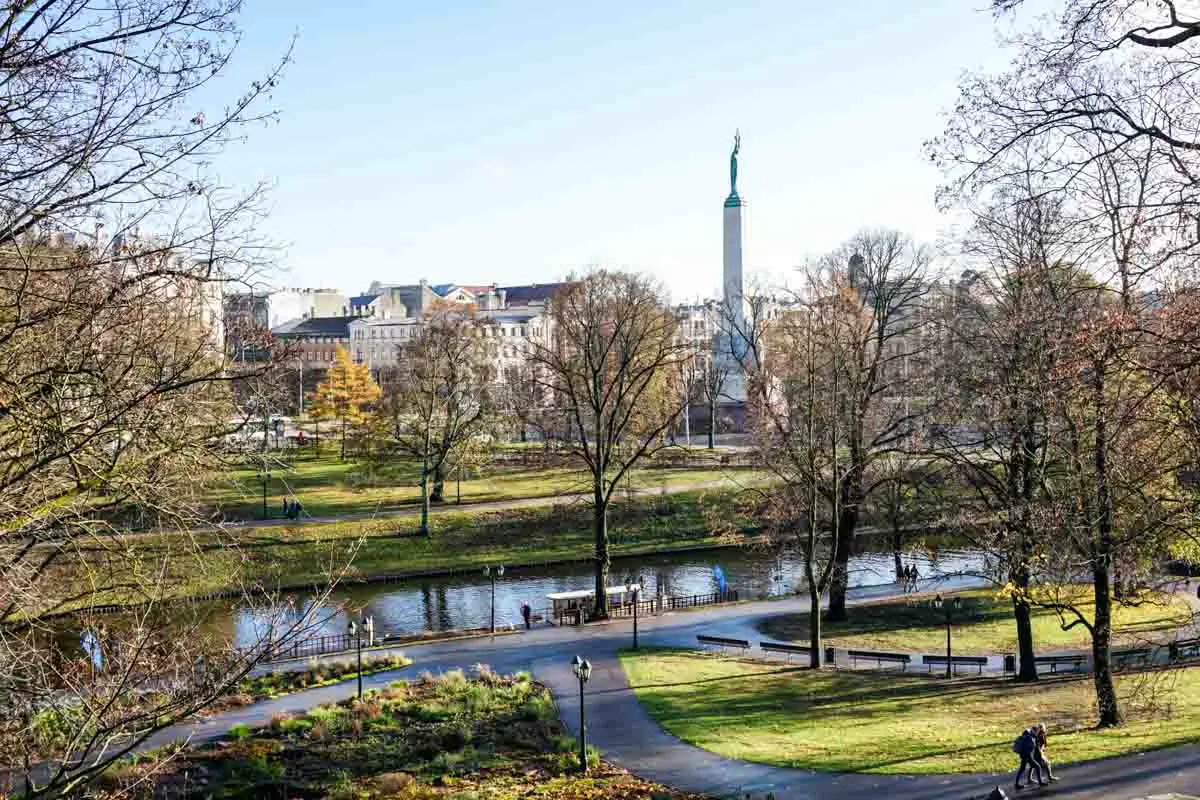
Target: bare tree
[(712, 375), (115, 245), (612, 373), (995, 403), (442, 395), (884, 278), (796, 406)]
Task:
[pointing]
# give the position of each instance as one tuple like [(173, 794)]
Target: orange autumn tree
[(348, 395)]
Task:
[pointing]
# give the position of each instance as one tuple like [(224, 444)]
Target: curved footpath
[(625, 733)]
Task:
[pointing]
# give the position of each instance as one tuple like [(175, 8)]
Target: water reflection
[(464, 601)]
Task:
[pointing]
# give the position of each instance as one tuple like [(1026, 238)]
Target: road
[(623, 731)]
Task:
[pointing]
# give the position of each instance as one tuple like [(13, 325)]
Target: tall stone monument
[(734, 304)]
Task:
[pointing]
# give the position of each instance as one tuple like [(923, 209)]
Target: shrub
[(295, 725), (320, 732), (239, 732)]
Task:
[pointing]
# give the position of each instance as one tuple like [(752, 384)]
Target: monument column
[(732, 260)]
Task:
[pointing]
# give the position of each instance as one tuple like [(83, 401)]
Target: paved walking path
[(624, 732)]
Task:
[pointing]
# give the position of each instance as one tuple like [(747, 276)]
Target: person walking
[(1025, 746), (1039, 754), (916, 576), (907, 572), (526, 614)]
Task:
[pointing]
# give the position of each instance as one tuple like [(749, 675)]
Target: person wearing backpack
[(1025, 747), (1039, 754)]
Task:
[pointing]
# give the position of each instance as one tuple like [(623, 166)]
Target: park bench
[(903, 659), (722, 642), (787, 649), (1054, 662), (1123, 659), (1184, 649), (979, 662)]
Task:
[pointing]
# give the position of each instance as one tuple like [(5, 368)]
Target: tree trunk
[(1026, 666), (814, 625), (425, 496), (712, 424), (343, 437), (1102, 556), (1106, 693), (897, 544), (600, 524), (847, 523), (438, 494), (839, 580)]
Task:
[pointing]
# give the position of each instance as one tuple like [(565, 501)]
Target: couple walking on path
[(1031, 747)]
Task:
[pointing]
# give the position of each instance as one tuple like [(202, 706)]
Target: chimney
[(503, 298)]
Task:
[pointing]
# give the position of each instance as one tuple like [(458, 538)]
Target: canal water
[(465, 601)]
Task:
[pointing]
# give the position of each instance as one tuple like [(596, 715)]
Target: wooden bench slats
[(904, 659), (1054, 661), (955, 661)]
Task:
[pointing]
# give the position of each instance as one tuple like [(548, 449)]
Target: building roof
[(531, 293), (511, 314), (338, 327), (376, 322), (363, 299)]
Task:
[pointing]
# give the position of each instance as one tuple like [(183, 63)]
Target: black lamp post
[(950, 608), (494, 573), (583, 670), (634, 588), (265, 477), (356, 630)]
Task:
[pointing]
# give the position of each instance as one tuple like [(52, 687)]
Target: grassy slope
[(328, 486), (461, 540), (896, 723), (984, 626), (493, 737)]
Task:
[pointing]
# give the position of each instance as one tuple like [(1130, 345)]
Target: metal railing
[(654, 605)]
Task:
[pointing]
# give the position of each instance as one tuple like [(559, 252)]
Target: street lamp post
[(356, 630), (583, 670), (634, 588), (265, 477), (950, 608), (494, 573)]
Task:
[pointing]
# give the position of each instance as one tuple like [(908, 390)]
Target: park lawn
[(460, 540), (451, 737), (984, 626), (327, 486), (896, 723)]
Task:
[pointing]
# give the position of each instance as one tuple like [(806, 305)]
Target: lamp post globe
[(356, 630), (583, 671), (493, 573)]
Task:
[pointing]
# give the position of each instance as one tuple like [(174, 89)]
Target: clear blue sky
[(516, 141)]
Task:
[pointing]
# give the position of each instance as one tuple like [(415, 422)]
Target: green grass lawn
[(851, 721), (490, 737), (984, 626), (328, 486), (202, 562)]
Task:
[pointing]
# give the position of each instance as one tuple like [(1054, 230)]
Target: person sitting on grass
[(1025, 746)]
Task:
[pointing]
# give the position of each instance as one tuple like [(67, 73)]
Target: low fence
[(315, 646), (655, 605)]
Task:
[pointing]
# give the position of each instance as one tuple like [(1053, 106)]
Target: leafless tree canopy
[(116, 244), (611, 381), (441, 399)]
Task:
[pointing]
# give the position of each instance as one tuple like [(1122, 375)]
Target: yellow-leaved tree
[(347, 395)]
